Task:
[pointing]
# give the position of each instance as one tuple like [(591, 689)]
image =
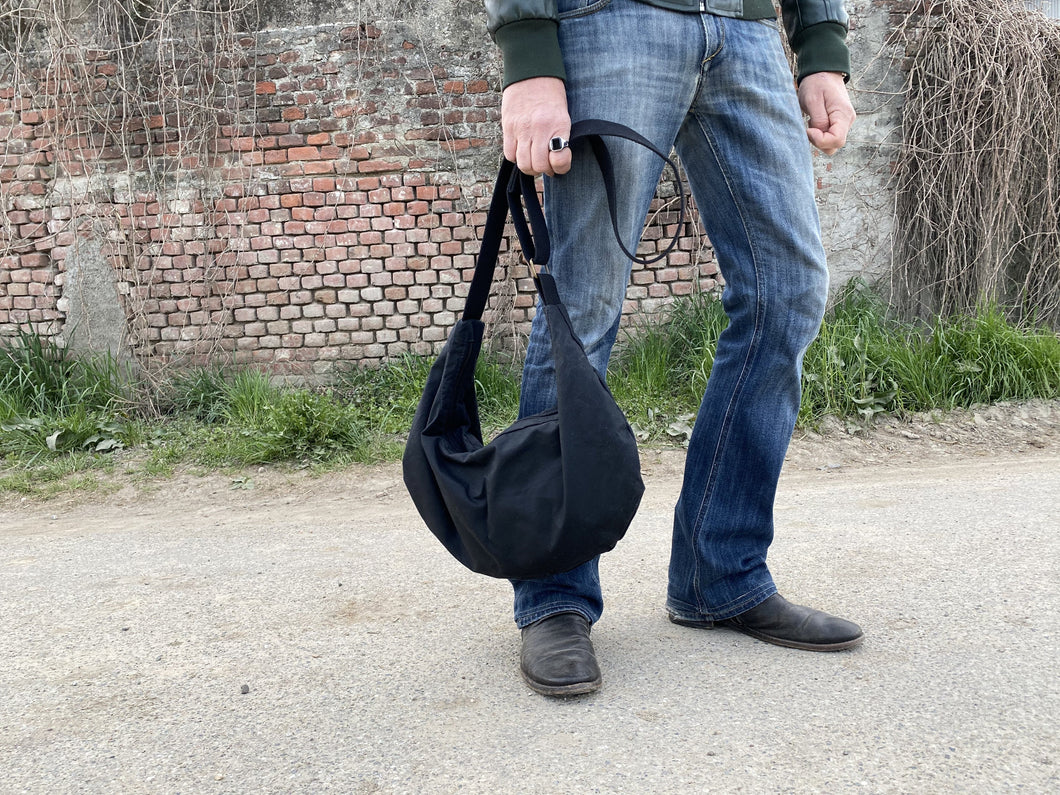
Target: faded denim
[(720, 91)]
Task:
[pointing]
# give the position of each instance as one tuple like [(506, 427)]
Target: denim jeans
[(721, 92)]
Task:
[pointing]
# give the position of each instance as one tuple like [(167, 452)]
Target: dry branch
[(978, 185)]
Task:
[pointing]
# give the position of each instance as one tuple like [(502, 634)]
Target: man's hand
[(532, 113), (823, 97)]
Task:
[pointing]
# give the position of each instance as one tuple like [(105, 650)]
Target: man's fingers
[(825, 141), (533, 157), (510, 152), (539, 159), (818, 119), (839, 129), (533, 112), (824, 99), (830, 137), (560, 161)]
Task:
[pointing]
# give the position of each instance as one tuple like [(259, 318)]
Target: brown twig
[(978, 193)]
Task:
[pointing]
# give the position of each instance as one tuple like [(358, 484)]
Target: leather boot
[(778, 621), (557, 657)]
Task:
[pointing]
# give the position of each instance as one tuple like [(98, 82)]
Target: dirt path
[(275, 632), (1001, 431)]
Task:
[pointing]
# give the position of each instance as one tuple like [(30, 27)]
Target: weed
[(201, 393), (385, 398), (63, 417), (39, 377), (248, 398), (659, 372)]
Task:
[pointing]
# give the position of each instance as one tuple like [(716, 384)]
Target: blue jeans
[(721, 92)]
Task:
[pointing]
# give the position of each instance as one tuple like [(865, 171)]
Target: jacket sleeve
[(527, 31), (817, 31)]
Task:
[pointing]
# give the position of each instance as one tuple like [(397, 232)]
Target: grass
[(863, 363), (65, 420), (659, 371)]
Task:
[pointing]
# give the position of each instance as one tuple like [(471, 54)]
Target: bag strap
[(490, 246), (593, 130), (516, 193)]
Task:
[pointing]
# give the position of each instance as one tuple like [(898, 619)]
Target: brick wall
[(326, 210), (302, 196)]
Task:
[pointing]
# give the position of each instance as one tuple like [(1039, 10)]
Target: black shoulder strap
[(490, 245), (593, 130), (516, 193)]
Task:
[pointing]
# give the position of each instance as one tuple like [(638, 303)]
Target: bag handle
[(594, 129), (492, 235), (516, 192)]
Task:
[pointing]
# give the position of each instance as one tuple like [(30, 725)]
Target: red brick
[(376, 166), (303, 153), (319, 167)]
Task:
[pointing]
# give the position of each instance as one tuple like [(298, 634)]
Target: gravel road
[(300, 634)]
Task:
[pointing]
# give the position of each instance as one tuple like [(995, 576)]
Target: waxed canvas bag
[(554, 489)]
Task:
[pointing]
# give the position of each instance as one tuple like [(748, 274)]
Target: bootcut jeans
[(720, 91)]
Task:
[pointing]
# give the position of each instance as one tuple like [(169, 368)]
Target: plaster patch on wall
[(855, 187), (95, 319)]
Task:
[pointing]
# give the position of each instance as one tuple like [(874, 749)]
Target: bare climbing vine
[(978, 204), (128, 99)]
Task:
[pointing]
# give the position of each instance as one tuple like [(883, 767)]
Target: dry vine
[(133, 93), (978, 204)]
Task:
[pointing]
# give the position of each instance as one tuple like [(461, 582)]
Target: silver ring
[(558, 144)]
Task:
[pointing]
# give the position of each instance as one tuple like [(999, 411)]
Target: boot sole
[(788, 644), (575, 689)]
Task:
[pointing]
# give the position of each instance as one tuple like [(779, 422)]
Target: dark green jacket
[(526, 31)]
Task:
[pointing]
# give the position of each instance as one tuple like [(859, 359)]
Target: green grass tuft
[(64, 418), (863, 363)]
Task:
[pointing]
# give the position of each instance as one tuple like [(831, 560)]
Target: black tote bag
[(554, 489)]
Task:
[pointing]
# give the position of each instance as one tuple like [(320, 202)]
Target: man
[(708, 77)]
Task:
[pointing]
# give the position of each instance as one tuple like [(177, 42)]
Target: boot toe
[(558, 658), (778, 621)]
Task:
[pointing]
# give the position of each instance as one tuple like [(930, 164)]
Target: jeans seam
[(752, 352), (721, 40), (587, 11)]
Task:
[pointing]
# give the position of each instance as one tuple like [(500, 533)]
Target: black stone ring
[(558, 144)]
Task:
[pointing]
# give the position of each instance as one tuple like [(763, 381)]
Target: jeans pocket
[(571, 9), (769, 22)]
